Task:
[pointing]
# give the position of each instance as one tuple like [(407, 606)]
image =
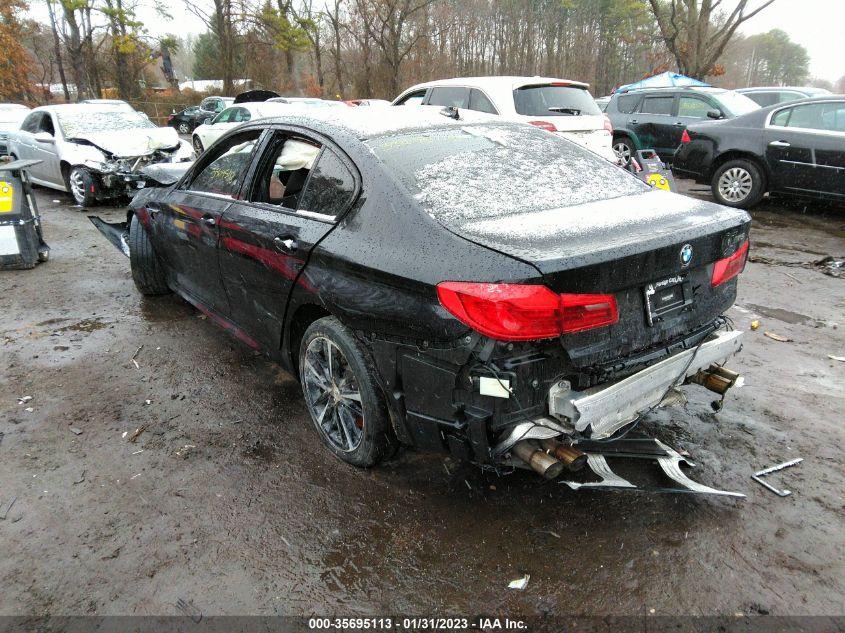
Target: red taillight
[(543, 125), (729, 267), (517, 312), (685, 137), (607, 124)]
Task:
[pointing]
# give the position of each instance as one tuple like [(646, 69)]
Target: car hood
[(134, 142), (593, 232)]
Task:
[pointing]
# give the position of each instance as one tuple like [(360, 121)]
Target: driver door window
[(224, 174), (693, 108)]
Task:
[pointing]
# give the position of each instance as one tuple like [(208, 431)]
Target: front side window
[(657, 105), (284, 171), (224, 174), (693, 107), (227, 116), (415, 98), (449, 96), (331, 187)]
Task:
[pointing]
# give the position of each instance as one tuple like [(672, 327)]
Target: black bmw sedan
[(451, 283), (793, 149)]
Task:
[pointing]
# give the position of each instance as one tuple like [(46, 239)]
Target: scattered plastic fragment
[(777, 337), (29, 409), (75, 430), (841, 359), (755, 324), (24, 399), (519, 583)]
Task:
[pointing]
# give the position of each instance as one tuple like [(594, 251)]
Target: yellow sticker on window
[(7, 197)]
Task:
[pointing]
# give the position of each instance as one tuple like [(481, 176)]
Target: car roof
[(805, 89), (363, 123), (510, 81), (71, 108), (709, 89)]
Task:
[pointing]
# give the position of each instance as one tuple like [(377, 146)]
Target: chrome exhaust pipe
[(540, 462), (715, 378), (571, 457)]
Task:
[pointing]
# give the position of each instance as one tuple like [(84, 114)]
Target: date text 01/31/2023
[(416, 623)]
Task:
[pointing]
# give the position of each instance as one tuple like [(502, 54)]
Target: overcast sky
[(815, 24)]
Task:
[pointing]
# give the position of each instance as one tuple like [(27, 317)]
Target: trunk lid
[(634, 247)]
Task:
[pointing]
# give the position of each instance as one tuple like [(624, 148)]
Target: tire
[(738, 183), (197, 143), (359, 432), (80, 183), (184, 128), (623, 147), (147, 270)]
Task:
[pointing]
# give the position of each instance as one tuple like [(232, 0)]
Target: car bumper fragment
[(604, 409)]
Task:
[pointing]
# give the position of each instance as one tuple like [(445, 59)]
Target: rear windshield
[(735, 103), (551, 100), (491, 171)]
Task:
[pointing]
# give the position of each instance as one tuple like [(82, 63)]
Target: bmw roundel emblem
[(686, 255)]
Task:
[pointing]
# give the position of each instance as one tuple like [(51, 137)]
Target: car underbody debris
[(758, 476)]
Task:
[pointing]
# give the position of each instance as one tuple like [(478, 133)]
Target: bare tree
[(696, 32)]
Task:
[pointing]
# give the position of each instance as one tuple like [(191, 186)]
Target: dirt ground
[(228, 501)]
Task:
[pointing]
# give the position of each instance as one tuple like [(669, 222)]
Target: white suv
[(557, 105)]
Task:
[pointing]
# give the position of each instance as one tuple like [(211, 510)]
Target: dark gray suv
[(656, 118)]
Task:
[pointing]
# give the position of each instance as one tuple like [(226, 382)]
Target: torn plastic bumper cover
[(605, 409)]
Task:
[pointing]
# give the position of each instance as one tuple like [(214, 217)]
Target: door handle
[(209, 220), (780, 144), (633, 121), (285, 244)]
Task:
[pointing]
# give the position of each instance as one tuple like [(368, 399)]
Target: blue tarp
[(663, 80)]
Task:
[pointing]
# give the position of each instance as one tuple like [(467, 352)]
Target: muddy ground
[(228, 501)]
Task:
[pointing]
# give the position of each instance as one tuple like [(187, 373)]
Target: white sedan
[(205, 134)]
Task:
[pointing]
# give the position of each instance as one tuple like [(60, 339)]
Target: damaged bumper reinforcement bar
[(607, 408)]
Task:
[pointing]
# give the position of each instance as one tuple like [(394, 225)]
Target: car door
[(23, 139), (185, 226), (654, 124), (299, 187), (222, 123), (795, 138), (46, 149)]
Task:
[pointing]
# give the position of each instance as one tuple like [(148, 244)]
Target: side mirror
[(207, 120), (44, 137), (714, 114)]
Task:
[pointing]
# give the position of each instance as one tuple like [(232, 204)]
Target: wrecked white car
[(94, 152)]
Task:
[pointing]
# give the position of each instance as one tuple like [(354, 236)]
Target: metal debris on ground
[(8, 509), (519, 583), (190, 610), (24, 399), (841, 359), (29, 409), (75, 430), (831, 266), (777, 337), (758, 476)]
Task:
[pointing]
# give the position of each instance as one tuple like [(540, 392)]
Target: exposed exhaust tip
[(540, 462), (715, 378), (569, 456)]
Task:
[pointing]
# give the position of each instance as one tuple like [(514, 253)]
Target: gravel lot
[(227, 500)]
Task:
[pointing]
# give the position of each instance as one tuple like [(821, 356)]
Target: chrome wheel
[(197, 145), (184, 129), (332, 394), (735, 184), (623, 152), (77, 185)]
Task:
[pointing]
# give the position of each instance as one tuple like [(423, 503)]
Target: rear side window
[(657, 105), (833, 118), (449, 96), (223, 175), (807, 116), (554, 100), (330, 188), (627, 103), (479, 101), (30, 123)]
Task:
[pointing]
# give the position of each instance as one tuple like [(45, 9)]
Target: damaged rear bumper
[(606, 408)]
